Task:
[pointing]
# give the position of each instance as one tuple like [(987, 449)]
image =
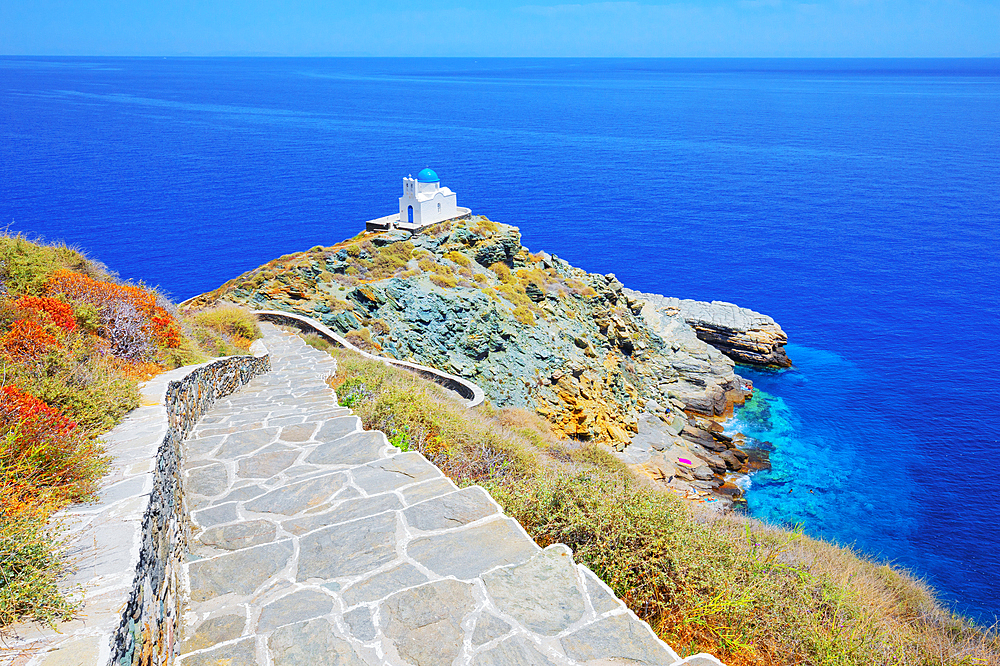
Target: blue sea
[(855, 201)]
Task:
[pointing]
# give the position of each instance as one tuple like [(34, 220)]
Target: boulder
[(390, 237), (733, 463), (758, 459), (533, 292), (703, 473)]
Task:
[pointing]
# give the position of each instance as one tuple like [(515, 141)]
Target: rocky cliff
[(467, 297), (741, 334)]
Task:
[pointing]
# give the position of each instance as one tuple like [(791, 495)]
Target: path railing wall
[(147, 633), (468, 390)]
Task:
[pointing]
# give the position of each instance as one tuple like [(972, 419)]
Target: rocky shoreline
[(599, 361), (743, 335), (699, 461)]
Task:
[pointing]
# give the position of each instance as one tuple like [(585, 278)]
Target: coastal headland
[(649, 375), (293, 500)]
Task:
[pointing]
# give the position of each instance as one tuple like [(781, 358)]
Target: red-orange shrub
[(26, 341), (44, 455), (61, 314), (115, 301)]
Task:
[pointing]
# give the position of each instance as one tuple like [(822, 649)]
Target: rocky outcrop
[(466, 297), (741, 334), (693, 457)]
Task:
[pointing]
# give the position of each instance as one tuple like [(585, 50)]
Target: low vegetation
[(224, 330), (745, 591), (326, 275), (74, 344)]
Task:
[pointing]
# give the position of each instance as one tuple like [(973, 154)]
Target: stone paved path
[(316, 542)]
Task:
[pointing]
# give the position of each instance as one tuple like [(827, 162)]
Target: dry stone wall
[(126, 548), (148, 630)]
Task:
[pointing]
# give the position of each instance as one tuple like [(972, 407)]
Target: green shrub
[(390, 259), (393, 400), (446, 281), (74, 343), (25, 266), (222, 330), (317, 341), (458, 258), (91, 390), (229, 319), (31, 564)]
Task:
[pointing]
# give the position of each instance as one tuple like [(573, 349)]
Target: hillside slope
[(467, 297), (75, 341)]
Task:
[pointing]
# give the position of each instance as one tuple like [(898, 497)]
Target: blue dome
[(428, 176)]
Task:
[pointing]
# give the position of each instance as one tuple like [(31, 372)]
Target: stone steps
[(317, 542)]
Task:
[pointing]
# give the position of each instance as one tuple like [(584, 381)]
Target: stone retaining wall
[(147, 632), (468, 390), (125, 548)]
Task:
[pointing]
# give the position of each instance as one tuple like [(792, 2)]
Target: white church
[(424, 202)]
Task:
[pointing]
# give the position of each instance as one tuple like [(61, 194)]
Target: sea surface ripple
[(855, 201)]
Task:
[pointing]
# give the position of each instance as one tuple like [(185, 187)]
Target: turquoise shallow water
[(855, 201), (833, 471)]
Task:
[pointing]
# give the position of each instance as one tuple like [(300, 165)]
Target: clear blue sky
[(749, 28)]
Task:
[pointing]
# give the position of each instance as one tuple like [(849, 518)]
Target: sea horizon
[(857, 205)]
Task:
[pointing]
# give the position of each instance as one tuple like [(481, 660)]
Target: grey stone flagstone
[(297, 497), (244, 441), (513, 651), (424, 623), (542, 593), (240, 653), (395, 472), (349, 549), (209, 480), (618, 638), (488, 627), (311, 643), (268, 462), (239, 535), (354, 449), (295, 607), (383, 584), (240, 572), (351, 509), (215, 630), (454, 510), (468, 553)]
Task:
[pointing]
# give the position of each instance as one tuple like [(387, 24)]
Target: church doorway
[(409, 214)]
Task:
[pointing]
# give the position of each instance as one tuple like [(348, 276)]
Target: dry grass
[(748, 592), (31, 564), (222, 330)]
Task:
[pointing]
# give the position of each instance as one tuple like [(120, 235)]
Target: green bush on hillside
[(223, 330), (31, 563)]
